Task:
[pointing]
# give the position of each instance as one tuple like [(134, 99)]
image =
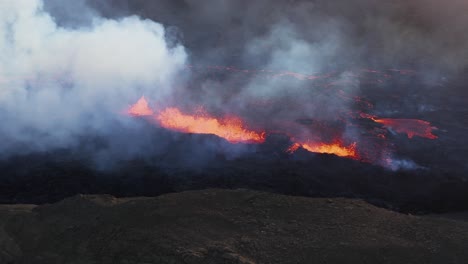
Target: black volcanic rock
[(219, 226), (46, 178)]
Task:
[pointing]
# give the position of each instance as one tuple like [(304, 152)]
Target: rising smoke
[(60, 83), (68, 68), (421, 32)]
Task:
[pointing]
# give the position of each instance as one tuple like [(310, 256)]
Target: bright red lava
[(412, 127)]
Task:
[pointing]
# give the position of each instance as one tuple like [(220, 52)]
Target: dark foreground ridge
[(222, 226)]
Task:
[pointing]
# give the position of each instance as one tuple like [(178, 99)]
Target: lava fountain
[(140, 108)]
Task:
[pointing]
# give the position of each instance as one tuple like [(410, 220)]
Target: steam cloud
[(60, 83)]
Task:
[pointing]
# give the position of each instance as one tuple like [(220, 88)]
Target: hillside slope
[(221, 226)]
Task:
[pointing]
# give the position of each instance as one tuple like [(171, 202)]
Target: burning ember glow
[(335, 148), (412, 127), (140, 108), (232, 129)]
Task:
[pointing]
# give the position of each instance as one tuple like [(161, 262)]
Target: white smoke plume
[(58, 83)]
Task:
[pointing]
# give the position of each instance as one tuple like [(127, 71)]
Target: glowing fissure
[(335, 148), (232, 129)]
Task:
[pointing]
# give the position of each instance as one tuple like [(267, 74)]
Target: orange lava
[(140, 108), (293, 148), (335, 148), (412, 127), (231, 129)]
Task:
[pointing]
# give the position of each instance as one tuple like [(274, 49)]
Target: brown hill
[(221, 226)]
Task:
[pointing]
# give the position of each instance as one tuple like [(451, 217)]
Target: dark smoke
[(427, 34), (302, 36)]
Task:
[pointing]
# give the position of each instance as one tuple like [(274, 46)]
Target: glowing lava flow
[(412, 127), (335, 148), (231, 129), (372, 147), (293, 148), (140, 108)]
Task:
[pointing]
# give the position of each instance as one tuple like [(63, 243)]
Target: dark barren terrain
[(194, 162), (221, 226)]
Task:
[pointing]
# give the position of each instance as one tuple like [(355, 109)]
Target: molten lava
[(140, 108), (373, 144), (231, 129), (335, 148), (412, 127), (293, 148)]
